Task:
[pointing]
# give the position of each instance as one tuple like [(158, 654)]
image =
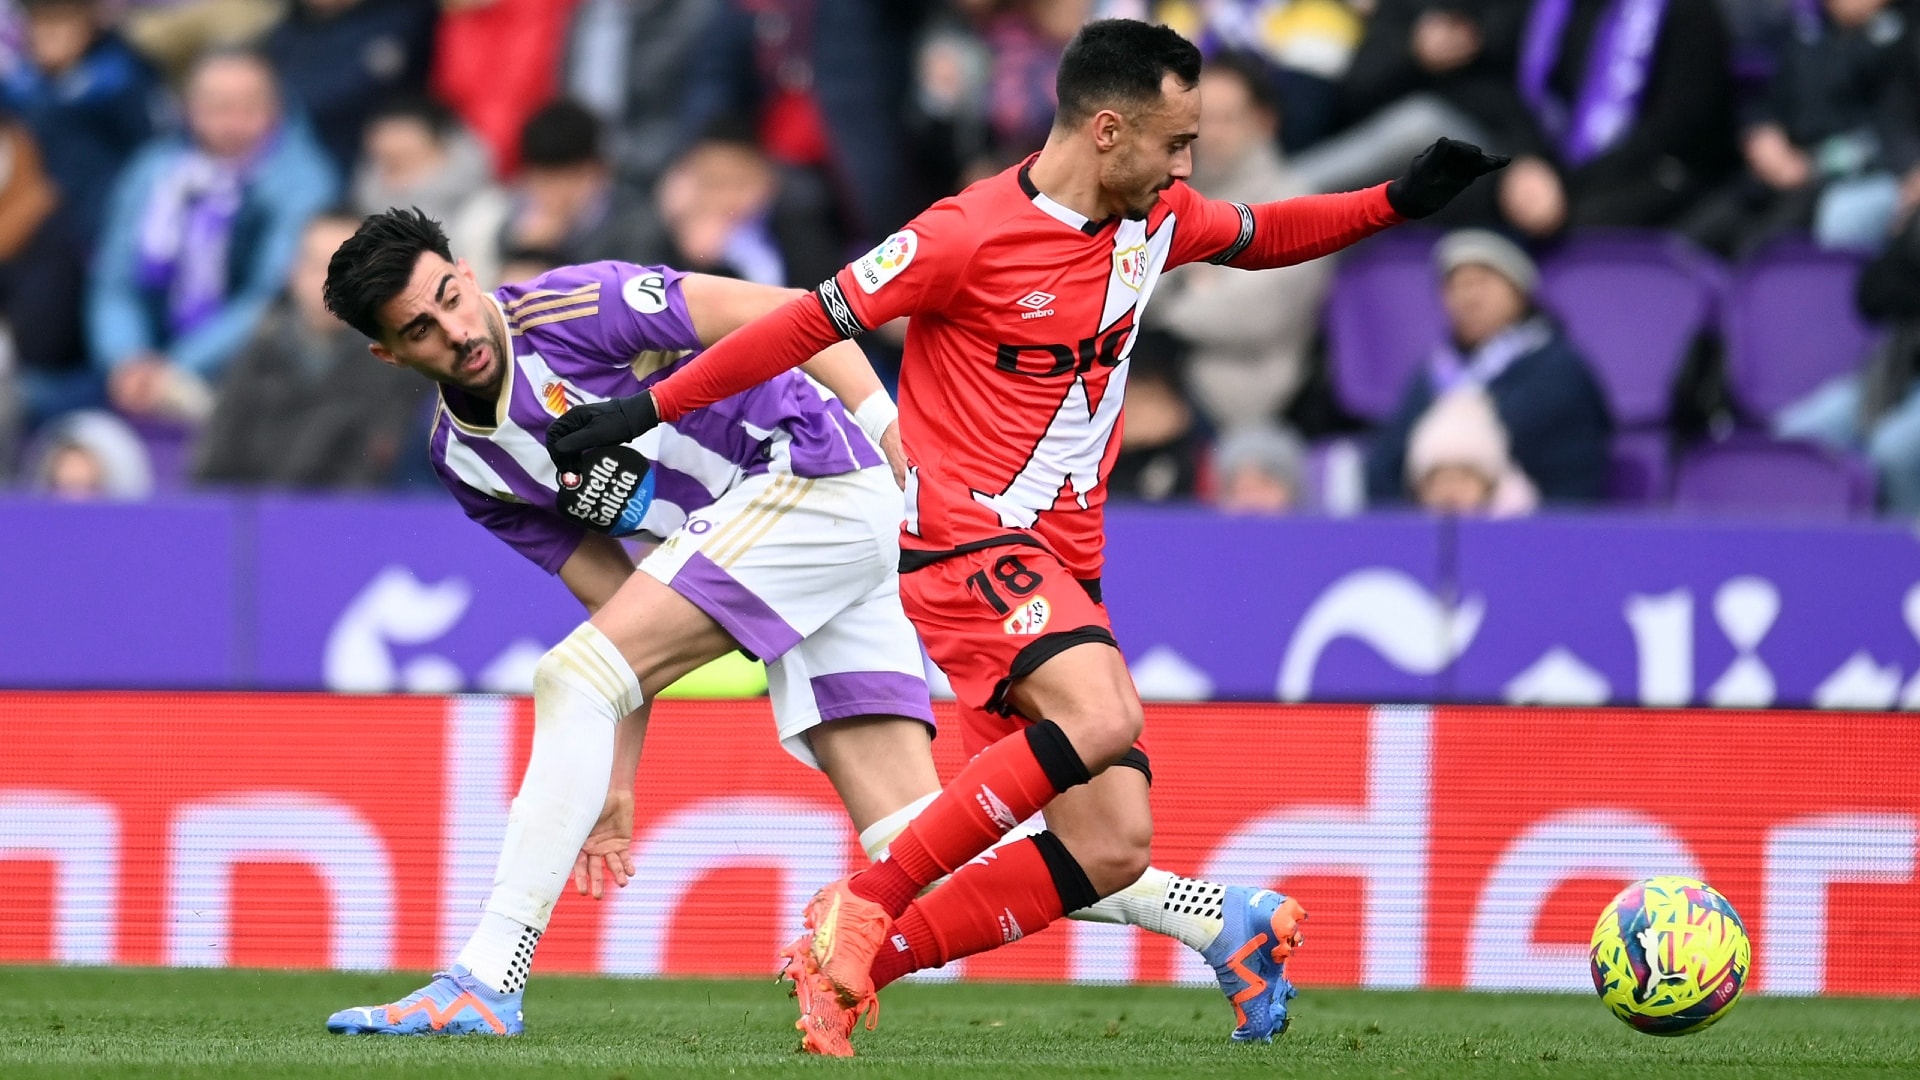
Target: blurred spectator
[(1461, 52), (525, 264), (176, 33), (1457, 460), (1878, 409), (42, 285), (825, 84), (89, 455), (303, 405), (947, 112), (417, 153), (726, 213), (1249, 332), (199, 236), (1261, 469), (1306, 46), (1631, 104), (1824, 123), (563, 201), (1863, 213), (1160, 446), (1554, 415), (89, 99), (1024, 40), (11, 409), (340, 59), (628, 61), (495, 62), (1425, 68)]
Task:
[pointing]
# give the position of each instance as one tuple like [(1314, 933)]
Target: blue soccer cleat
[(454, 1003), (1250, 959)]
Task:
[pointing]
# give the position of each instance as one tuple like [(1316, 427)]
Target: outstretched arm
[(1265, 235), (912, 270), (722, 306), (738, 362)]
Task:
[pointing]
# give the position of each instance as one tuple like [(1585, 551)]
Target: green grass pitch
[(262, 1025)]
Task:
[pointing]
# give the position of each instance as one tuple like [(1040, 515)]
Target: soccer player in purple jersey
[(778, 516)]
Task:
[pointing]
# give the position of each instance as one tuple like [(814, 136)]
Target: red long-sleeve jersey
[(1023, 314)]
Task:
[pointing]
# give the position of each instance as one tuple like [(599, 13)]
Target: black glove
[(602, 423), (611, 492), (1441, 172)]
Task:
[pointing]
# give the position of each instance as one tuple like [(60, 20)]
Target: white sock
[(581, 689), (1186, 909), (500, 952), (875, 837)]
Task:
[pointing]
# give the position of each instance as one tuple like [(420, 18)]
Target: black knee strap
[(1056, 755), (1136, 758), (1075, 888)]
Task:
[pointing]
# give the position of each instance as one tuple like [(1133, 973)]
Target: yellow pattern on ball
[(1691, 950)]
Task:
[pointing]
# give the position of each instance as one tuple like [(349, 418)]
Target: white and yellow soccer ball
[(1670, 956)]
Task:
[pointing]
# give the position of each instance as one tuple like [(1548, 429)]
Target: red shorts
[(989, 617)]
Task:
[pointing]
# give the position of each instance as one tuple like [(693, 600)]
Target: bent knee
[(1117, 862), (1102, 732)]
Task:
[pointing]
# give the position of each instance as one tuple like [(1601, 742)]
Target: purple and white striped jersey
[(604, 330)]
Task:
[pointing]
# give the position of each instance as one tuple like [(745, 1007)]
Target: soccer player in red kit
[(1025, 293)]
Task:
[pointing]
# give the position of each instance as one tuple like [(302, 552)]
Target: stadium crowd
[(174, 175)]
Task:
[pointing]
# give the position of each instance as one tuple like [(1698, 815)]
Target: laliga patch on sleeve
[(645, 293), (884, 263), (612, 492)]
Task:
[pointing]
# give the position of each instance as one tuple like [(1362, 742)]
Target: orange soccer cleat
[(831, 968)]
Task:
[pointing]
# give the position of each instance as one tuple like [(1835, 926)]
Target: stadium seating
[(1789, 325), (1634, 303), (1637, 474), (1383, 318), (1751, 474), (169, 446)]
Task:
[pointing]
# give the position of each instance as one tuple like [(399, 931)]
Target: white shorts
[(804, 573)]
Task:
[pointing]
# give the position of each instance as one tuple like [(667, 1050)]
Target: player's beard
[(1142, 190), (1139, 208), (487, 381)]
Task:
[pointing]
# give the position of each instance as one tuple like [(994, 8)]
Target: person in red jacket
[(496, 62), (1025, 292)]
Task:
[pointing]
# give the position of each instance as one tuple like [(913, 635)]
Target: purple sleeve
[(540, 536), (601, 315)]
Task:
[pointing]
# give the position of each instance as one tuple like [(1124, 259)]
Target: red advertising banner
[(1434, 847)]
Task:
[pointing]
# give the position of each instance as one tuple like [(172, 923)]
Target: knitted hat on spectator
[(1481, 247), (125, 469), (1269, 448), (1462, 429)]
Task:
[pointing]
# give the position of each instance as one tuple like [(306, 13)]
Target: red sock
[(911, 948), (990, 903), (1002, 787)]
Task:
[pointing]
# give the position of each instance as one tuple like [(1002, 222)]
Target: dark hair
[(562, 133), (1252, 73), (731, 129), (376, 263), (419, 108), (1118, 64)]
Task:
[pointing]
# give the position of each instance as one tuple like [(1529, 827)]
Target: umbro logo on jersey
[(1036, 302)]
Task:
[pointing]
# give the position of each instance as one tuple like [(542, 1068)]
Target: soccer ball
[(1670, 956)]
